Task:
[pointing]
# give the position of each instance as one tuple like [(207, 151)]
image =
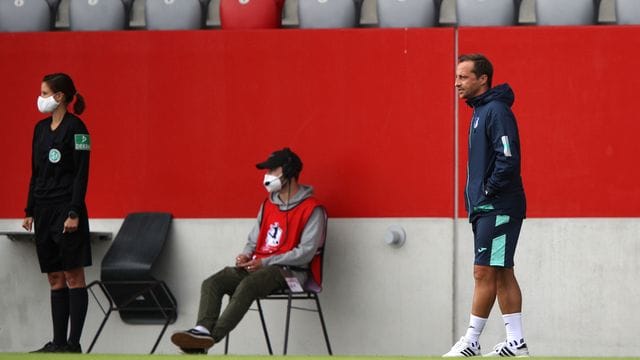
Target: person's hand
[(27, 223), (253, 265), (70, 225), (242, 259)]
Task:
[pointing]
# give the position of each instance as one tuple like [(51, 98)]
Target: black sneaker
[(72, 348), (192, 339), (50, 347), (194, 351)]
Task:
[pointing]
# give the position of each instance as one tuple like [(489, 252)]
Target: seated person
[(288, 231)]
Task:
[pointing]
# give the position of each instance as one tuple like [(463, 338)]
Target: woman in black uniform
[(59, 177)]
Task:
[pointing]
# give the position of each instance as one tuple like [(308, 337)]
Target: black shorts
[(58, 251), (495, 239)]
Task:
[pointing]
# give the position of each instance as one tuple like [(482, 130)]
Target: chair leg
[(95, 338), (106, 313), (168, 316), (324, 327), (166, 323), (286, 326), (264, 327), (164, 328)]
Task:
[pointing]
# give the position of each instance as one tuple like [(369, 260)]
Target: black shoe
[(72, 348), (194, 351), (50, 347), (192, 339)]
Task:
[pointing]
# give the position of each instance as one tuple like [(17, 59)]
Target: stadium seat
[(250, 14), (326, 14), (369, 14), (628, 12), (27, 15), (213, 14), (136, 15), (290, 14), (175, 14), (486, 13), (99, 14), (406, 13), (125, 275), (311, 290), (565, 12)]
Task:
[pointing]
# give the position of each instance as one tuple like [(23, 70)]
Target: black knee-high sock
[(78, 301), (60, 315)]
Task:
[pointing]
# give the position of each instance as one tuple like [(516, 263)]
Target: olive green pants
[(243, 288)]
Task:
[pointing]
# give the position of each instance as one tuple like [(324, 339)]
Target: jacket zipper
[(473, 116)]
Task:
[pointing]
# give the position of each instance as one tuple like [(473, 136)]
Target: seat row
[(45, 15)]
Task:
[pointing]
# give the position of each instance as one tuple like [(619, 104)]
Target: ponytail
[(79, 105)]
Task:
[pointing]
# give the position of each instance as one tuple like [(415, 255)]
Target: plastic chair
[(566, 12), (311, 290), (486, 12), (328, 14), (406, 13), (175, 14), (27, 15), (92, 15), (125, 275), (251, 14), (628, 12)]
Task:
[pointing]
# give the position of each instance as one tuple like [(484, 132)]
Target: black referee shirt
[(59, 164)]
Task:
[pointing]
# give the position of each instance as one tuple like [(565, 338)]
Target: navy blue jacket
[(494, 185)]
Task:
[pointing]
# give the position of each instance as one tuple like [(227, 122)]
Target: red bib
[(280, 231)]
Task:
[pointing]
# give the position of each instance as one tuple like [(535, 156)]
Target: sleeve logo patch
[(505, 146), (82, 141)]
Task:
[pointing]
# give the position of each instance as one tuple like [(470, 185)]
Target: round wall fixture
[(395, 236)]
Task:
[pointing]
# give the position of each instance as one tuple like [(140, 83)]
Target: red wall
[(178, 119), (575, 93)]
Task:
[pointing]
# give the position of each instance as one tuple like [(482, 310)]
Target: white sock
[(513, 325), (476, 325), (202, 329)]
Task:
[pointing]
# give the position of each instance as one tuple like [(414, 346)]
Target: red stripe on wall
[(178, 119)]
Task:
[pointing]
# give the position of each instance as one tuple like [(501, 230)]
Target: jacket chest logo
[(475, 122)]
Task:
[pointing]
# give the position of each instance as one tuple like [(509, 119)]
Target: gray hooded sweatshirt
[(310, 240)]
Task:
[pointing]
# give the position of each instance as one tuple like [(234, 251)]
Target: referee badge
[(54, 156), (82, 142)]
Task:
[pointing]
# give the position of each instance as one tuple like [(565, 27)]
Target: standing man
[(496, 205), (288, 232)]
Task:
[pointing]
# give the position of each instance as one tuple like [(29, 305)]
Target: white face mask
[(272, 183), (47, 104)]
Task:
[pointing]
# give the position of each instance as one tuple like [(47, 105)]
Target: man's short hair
[(481, 65)]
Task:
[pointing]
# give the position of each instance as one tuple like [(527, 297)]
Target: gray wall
[(579, 279), (578, 276)]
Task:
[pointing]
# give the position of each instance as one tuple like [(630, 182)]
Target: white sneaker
[(512, 349), (464, 348)]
